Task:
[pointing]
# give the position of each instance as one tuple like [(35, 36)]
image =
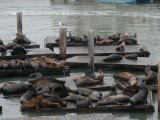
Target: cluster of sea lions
[(31, 63), (20, 40), (43, 93), (116, 38)]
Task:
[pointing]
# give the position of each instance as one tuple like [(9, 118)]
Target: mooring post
[(91, 49), (63, 42), (19, 23), (158, 87)]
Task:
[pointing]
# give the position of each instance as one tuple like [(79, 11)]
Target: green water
[(41, 18)]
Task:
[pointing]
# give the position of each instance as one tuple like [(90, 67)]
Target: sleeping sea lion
[(115, 99), (86, 103), (126, 76), (113, 91), (115, 37), (83, 91), (86, 81), (131, 56), (73, 98), (113, 57)]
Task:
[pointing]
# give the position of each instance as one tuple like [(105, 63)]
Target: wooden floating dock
[(45, 71), (107, 108), (103, 51), (30, 53), (138, 64), (50, 42)]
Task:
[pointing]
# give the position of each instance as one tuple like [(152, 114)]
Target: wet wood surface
[(103, 50), (140, 63)]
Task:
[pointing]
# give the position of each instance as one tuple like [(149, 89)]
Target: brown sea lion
[(113, 91), (87, 81), (115, 99), (34, 103), (126, 76), (121, 47)]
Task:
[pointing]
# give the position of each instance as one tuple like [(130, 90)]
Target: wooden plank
[(138, 64), (30, 53), (103, 50), (107, 108)]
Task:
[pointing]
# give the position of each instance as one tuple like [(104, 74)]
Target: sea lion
[(11, 45), (71, 38), (113, 57), (42, 89), (100, 40), (131, 56), (86, 81), (84, 103), (34, 103), (113, 91), (1, 42), (54, 99), (21, 39), (3, 48), (14, 88), (140, 97), (18, 50), (28, 95), (96, 96), (115, 99), (150, 76), (128, 41), (83, 91), (44, 103), (125, 76), (73, 98), (121, 47), (34, 77), (115, 37)]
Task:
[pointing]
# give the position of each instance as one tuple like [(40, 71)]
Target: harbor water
[(41, 18)]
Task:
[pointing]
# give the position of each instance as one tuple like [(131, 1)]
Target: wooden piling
[(19, 23), (62, 42), (91, 49), (158, 87)]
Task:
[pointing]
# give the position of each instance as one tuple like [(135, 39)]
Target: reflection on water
[(41, 18)]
